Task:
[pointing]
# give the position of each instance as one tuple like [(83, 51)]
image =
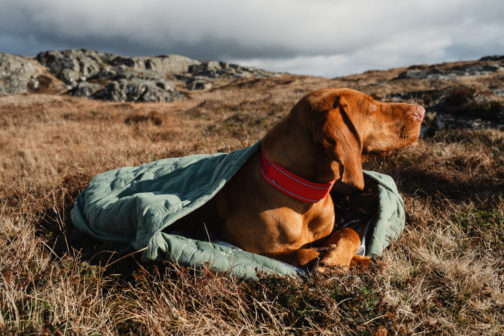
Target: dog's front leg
[(342, 247), (300, 257)]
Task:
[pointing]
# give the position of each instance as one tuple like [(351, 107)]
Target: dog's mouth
[(409, 133), (403, 137)]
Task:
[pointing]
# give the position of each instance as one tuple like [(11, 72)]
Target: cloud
[(323, 37)]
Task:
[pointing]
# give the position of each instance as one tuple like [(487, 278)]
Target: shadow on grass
[(417, 182), (55, 226)]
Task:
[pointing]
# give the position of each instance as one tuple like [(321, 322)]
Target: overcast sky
[(319, 37)]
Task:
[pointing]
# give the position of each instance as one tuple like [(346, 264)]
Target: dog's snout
[(418, 112)]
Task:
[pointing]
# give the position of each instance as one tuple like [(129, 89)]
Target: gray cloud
[(323, 37)]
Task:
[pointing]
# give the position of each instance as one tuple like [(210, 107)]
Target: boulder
[(435, 73), (85, 89), (161, 65), (197, 82), (164, 64), (214, 69), (74, 66), (17, 74), (137, 90)]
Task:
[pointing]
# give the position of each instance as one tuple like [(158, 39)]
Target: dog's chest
[(319, 223)]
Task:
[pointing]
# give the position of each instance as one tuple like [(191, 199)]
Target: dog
[(278, 203)]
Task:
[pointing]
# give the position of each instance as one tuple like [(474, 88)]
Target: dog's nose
[(419, 112)]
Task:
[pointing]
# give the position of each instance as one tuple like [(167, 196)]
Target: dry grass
[(445, 275)]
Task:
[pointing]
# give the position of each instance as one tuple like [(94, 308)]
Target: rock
[(201, 76), (427, 98), (448, 121), (127, 61), (456, 107), (474, 69), (164, 64), (89, 73), (105, 76), (197, 83), (85, 89), (206, 69), (74, 66), (214, 69), (493, 58), (17, 74), (434, 73), (436, 121), (137, 90), (469, 101), (415, 73)]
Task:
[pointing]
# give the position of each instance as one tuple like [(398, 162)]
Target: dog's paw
[(334, 269), (360, 263), (321, 269)]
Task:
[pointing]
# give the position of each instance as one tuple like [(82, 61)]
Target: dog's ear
[(340, 139)]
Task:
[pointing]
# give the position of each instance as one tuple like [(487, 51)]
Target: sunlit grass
[(445, 274)]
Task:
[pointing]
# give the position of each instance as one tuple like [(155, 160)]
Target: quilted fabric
[(132, 205)]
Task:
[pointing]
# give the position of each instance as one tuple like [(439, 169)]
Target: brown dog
[(323, 140)]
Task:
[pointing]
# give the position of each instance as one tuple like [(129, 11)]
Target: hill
[(444, 276)]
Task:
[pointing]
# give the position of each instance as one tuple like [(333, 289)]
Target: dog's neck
[(292, 147)]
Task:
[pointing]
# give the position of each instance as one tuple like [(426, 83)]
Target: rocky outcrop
[(440, 72), (138, 90), (433, 73), (88, 73), (201, 76), (164, 64), (454, 101), (106, 76), (73, 66), (214, 69), (17, 74), (85, 89), (492, 58)]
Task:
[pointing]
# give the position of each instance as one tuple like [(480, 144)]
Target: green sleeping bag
[(132, 205)]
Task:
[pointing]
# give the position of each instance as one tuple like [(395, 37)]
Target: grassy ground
[(445, 275)]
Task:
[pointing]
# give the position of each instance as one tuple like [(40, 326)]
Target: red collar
[(291, 184)]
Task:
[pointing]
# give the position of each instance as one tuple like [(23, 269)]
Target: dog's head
[(351, 125)]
